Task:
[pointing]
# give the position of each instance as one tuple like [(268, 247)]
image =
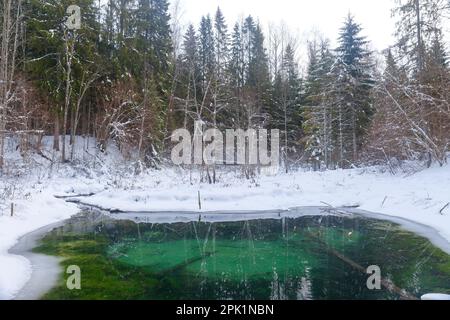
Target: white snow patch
[(30, 214), (435, 297)]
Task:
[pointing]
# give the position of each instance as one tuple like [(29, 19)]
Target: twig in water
[(384, 201), (331, 209), (327, 204), (445, 207)]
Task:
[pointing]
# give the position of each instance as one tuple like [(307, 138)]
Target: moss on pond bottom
[(102, 277), (266, 259)]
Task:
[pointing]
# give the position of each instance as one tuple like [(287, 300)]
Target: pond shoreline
[(427, 232), (46, 270)]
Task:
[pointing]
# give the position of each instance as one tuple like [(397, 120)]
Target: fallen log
[(76, 196), (389, 285)]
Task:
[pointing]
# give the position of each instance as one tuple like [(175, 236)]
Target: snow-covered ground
[(418, 197)]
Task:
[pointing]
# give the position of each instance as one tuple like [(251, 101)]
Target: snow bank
[(30, 214), (435, 297)]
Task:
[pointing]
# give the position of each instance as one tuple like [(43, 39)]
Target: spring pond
[(308, 257)]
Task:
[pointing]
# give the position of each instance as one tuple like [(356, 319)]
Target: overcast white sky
[(302, 16)]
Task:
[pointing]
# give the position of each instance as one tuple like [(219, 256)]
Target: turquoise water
[(319, 257)]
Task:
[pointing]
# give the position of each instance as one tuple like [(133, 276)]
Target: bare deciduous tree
[(11, 20)]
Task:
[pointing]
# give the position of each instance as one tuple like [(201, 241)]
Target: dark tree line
[(120, 80), (111, 79)]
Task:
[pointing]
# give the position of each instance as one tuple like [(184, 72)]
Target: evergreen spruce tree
[(153, 30), (354, 85), (416, 28), (60, 58), (285, 111), (221, 42), (190, 80), (222, 88), (236, 64), (319, 106), (237, 71), (206, 52), (437, 53), (258, 77)]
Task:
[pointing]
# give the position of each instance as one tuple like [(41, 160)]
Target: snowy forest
[(131, 75), (94, 95)]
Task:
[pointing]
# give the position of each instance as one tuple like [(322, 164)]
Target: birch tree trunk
[(84, 87), (68, 59), (4, 66), (8, 51)]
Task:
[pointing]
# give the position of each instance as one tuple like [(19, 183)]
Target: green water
[(303, 258)]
